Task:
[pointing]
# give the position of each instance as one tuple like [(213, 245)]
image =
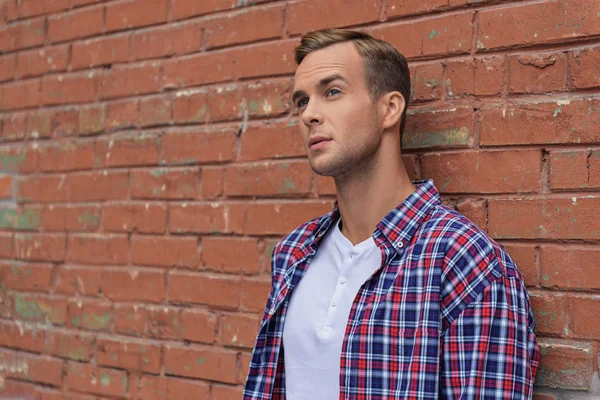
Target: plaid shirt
[(446, 315)]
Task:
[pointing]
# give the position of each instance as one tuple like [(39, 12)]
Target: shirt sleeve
[(489, 351)]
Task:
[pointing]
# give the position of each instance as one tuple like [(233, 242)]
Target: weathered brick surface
[(150, 161)]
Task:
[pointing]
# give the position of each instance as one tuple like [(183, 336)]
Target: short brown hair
[(386, 69)]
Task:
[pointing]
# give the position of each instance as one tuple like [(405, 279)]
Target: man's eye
[(301, 103), (333, 92)]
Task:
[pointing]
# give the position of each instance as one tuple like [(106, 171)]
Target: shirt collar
[(399, 225)]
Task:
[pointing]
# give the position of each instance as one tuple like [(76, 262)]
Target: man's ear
[(393, 105)]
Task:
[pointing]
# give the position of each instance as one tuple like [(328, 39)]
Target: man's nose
[(312, 115)]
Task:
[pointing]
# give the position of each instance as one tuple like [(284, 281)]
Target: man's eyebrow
[(323, 82)]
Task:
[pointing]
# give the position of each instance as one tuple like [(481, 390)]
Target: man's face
[(332, 98)]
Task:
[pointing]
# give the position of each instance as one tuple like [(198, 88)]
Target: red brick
[(7, 187), (167, 40), (14, 126), (325, 185), (130, 80), (549, 311), (563, 121), (26, 276), (164, 323), (231, 255), (165, 183), (143, 285), (91, 315), (130, 319), (268, 141), (135, 13), (6, 245), (213, 290), (490, 75), (305, 16), (244, 366), (559, 356), (160, 388), (263, 59), (30, 8), (503, 26), (198, 146), (79, 280), (254, 293), (569, 169), (475, 211), (39, 124), (556, 218), (92, 118), (525, 258), (269, 179), (204, 363), (135, 217), (40, 247), (538, 72), (52, 395), (212, 180), (98, 186), (24, 94), (76, 24), (282, 218), (16, 335), (96, 380), (31, 368), (36, 308), (206, 218), (128, 150), (403, 7), (570, 267), (42, 189), (172, 251), (19, 158), (239, 330), (446, 34), (268, 98), (65, 122), (122, 114), (20, 389), (198, 326), (220, 392), (427, 82), (66, 155), (8, 67), (75, 346), (584, 67), (439, 128), (244, 26), (157, 110), (582, 310), (189, 8), (470, 172), (103, 51), (40, 61), (128, 354), (72, 88), (22, 35), (96, 249), (71, 218)]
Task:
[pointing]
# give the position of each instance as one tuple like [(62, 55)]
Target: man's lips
[(317, 142)]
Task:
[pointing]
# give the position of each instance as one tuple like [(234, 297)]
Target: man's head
[(349, 88)]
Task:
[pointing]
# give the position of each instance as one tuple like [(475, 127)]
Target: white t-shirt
[(318, 314)]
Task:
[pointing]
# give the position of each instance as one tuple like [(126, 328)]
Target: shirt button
[(351, 255), (400, 245), (271, 312), (333, 303), (342, 280)]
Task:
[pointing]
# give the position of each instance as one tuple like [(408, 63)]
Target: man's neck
[(366, 199)]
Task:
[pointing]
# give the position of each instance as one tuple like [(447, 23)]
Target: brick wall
[(150, 161)]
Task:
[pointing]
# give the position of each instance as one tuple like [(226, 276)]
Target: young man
[(392, 295)]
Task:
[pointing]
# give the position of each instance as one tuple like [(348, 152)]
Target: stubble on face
[(349, 118)]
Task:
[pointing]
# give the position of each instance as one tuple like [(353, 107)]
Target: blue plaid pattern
[(446, 315)]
